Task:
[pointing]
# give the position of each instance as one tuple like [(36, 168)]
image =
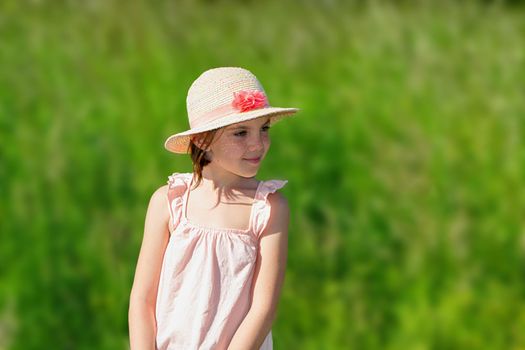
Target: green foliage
[(405, 164)]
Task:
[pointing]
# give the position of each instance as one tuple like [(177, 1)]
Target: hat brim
[(179, 143)]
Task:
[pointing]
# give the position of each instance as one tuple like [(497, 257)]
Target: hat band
[(210, 116), (216, 113)]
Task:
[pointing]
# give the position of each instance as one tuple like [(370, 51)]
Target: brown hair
[(199, 155)]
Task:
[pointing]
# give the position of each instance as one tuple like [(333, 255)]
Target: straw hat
[(220, 97)]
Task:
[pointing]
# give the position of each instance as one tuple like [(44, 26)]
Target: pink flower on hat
[(248, 100)]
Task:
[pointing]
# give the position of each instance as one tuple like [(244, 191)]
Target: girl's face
[(240, 148)]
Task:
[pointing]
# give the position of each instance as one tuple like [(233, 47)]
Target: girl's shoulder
[(175, 186), (178, 179), (178, 182), (270, 189), (156, 206), (279, 208), (270, 206)]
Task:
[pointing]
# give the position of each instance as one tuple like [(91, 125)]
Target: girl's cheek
[(237, 142), (232, 144)]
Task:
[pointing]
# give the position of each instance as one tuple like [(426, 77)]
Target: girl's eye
[(243, 133)]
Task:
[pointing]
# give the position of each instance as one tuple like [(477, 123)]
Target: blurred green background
[(406, 164)]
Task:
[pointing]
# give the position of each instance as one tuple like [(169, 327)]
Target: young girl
[(214, 251)]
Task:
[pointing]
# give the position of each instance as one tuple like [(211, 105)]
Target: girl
[(214, 251)]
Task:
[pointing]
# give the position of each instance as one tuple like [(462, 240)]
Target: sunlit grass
[(405, 164)]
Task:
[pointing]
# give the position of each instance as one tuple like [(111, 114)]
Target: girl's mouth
[(253, 160)]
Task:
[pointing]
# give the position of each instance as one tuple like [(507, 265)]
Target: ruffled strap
[(177, 185), (261, 206)]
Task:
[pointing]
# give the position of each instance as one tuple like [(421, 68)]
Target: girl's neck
[(215, 179)]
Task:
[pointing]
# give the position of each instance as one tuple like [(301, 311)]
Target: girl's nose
[(256, 143)]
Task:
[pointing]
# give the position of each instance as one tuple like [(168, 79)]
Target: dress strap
[(261, 205), (177, 186)]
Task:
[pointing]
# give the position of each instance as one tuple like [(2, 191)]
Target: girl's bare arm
[(143, 296), (267, 280)]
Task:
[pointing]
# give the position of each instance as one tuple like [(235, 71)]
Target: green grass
[(406, 164)]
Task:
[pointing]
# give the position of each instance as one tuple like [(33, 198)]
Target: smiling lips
[(253, 160)]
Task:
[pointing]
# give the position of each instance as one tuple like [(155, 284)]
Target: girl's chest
[(221, 214)]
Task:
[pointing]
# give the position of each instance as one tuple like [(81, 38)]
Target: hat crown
[(214, 89)]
